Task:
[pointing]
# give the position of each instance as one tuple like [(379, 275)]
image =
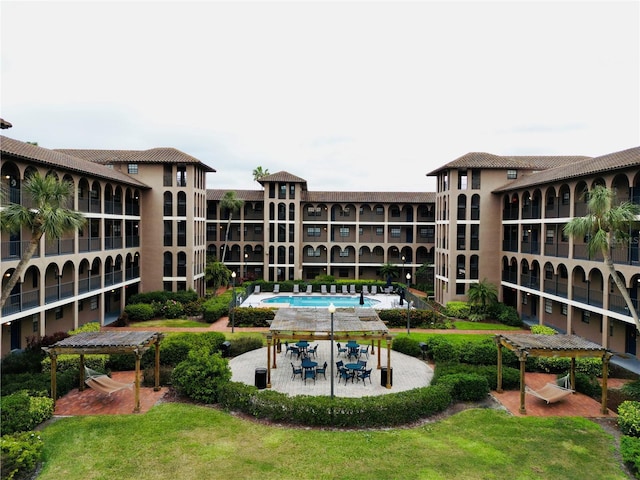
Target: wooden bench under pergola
[(362, 324), (93, 343), (568, 346)]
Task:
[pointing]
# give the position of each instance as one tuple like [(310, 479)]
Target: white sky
[(356, 96)]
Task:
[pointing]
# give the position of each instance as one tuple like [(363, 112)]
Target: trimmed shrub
[(407, 345), (68, 361), (542, 330), (21, 412), (87, 327), (20, 454), (253, 317), (467, 387), (629, 418), (510, 376), (506, 314), (172, 309), (28, 361), (236, 396), (200, 376), (589, 366), (588, 384), (245, 344), (457, 309), (139, 312), (442, 351), (149, 376), (479, 353), (39, 384), (632, 389), (217, 307), (630, 451)]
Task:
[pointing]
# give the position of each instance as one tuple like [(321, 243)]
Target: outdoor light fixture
[(408, 305), (233, 311), (332, 310)]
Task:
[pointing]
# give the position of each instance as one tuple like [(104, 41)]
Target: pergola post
[(522, 356), (54, 387), (388, 361), (499, 387), (269, 338), (81, 386), (605, 376), (136, 408), (379, 353), (156, 387)]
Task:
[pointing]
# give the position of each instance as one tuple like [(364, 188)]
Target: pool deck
[(387, 301)]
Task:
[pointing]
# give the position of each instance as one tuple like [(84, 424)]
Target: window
[(379, 211), (548, 272), (181, 176), (94, 303), (344, 212), (58, 313), (292, 191), (313, 231), (313, 252), (563, 309), (36, 324), (586, 316), (475, 237), (395, 212), (395, 232), (565, 198), (132, 169), (475, 179), (344, 253), (283, 191), (167, 176), (550, 236), (257, 229), (512, 174), (462, 180), (344, 231), (461, 237), (548, 305), (379, 231)]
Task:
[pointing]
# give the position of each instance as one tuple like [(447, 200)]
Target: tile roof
[(153, 155), (246, 195), (628, 158), (523, 162), (4, 124), (57, 159), (282, 176), (335, 197)]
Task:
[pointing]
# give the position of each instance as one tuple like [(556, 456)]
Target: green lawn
[(181, 441), (173, 323)]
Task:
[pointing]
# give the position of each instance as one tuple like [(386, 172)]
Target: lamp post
[(408, 306), (246, 269), (233, 311), (404, 259), (332, 310)]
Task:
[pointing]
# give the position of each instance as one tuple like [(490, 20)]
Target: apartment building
[(287, 232), (145, 231), (501, 218)]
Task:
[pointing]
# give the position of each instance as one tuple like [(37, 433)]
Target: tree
[(217, 273), (483, 295), (389, 271), (606, 225), (48, 215), (231, 203), (258, 173)]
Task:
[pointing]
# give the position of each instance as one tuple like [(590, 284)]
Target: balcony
[(62, 246), (587, 295), (12, 250), (21, 302), (555, 287)]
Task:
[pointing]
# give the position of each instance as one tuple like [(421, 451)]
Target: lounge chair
[(276, 288), (256, 289), (352, 289), (344, 289), (374, 289), (365, 289), (552, 392), (296, 288), (309, 288), (332, 289), (323, 289)]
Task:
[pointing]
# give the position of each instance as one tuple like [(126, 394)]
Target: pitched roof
[(153, 155), (4, 124), (335, 197), (246, 195), (56, 159), (628, 158), (282, 176), (522, 162)]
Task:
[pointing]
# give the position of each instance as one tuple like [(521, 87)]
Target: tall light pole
[(233, 311), (404, 259), (408, 306), (332, 310), (246, 269)]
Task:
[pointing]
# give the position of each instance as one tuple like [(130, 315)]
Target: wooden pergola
[(569, 346), (92, 343), (311, 324)]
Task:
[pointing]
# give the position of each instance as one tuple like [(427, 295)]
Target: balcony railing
[(62, 246), (587, 295), (20, 302), (12, 250)]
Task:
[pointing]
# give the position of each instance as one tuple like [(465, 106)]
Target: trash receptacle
[(423, 347), (261, 378), (383, 376), (224, 348)]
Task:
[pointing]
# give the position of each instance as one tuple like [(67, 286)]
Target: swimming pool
[(323, 301)]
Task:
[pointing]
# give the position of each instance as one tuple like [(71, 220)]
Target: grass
[(467, 325), (193, 442), (171, 322)]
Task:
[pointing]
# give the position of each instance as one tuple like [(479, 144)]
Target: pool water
[(323, 302)]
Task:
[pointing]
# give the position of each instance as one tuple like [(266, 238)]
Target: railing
[(510, 245), (509, 276), (132, 241), (587, 295), (12, 250), (60, 246), (111, 243), (20, 302), (554, 287), (530, 281), (132, 272), (510, 213)]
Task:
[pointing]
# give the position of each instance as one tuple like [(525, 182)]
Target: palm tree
[(233, 204), (389, 271), (258, 173), (217, 274), (47, 216), (483, 294), (606, 224)]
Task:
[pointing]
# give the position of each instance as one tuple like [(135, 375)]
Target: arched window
[(475, 207), (168, 204), (168, 265)]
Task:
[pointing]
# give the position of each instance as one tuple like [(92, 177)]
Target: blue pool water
[(323, 301)]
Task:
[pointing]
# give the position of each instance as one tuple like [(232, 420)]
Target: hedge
[(467, 387), (629, 418), (20, 412), (20, 454)]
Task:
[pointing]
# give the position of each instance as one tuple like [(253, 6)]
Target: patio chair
[(309, 373), (322, 370), (365, 351), (287, 348), (344, 289), (353, 352), (339, 366), (374, 289), (363, 363), (313, 351), (296, 288), (294, 350), (345, 375), (309, 289), (276, 288), (256, 289), (341, 349), (332, 289), (352, 289), (323, 289), (364, 375), (296, 371), (365, 289)]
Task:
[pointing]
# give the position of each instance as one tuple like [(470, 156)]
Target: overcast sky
[(352, 96)]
